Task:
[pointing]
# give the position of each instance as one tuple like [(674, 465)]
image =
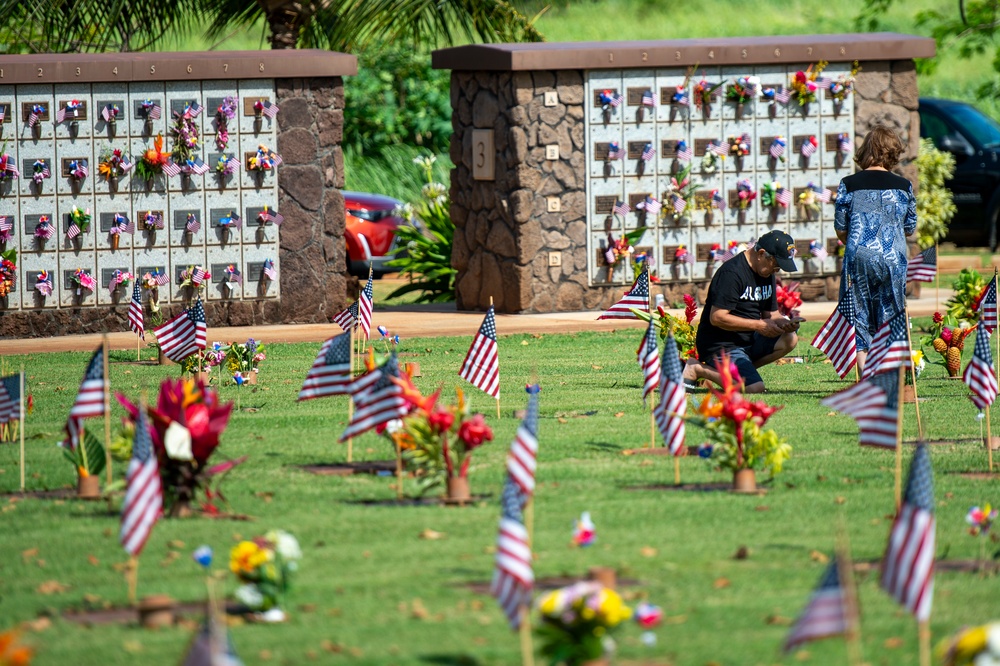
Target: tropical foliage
[(935, 203)]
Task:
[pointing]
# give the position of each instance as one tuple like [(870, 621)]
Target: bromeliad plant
[(87, 456), (685, 331), (969, 288), (577, 622), (440, 439), (735, 426), (185, 426)]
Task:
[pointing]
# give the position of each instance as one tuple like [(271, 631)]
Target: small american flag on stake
[(822, 194), (267, 108), (198, 275), (37, 111), (377, 399), (808, 147), (143, 498), (874, 404), (89, 400), (365, 306), (648, 356), (348, 317), (615, 151), (233, 163), (6, 224), (273, 216), (160, 277), (126, 164), (718, 201), (988, 306), (270, 271), (72, 231), (684, 152), (637, 297), (171, 169), (513, 577), (124, 224), (621, 208), (979, 375), (784, 196), (669, 413), (183, 335), (135, 314), (152, 110), (481, 366), (192, 224), (331, 371), (651, 206), (890, 348), (110, 111), (10, 398), (777, 149), (783, 95), (830, 611), (192, 110), (648, 98), (648, 152), (197, 166), (923, 267), (720, 147), (680, 205), (908, 564)]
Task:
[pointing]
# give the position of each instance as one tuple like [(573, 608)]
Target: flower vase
[(805, 109), (838, 106), (909, 396), (709, 217), (739, 110), (88, 487), (113, 184), (114, 241), (458, 489), (744, 481), (162, 358), (741, 216), (251, 377), (156, 611)]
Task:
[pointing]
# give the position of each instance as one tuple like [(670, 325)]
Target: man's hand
[(774, 328)]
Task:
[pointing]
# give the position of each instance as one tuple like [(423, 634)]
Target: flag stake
[(924, 637), (138, 352), (677, 470), (937, 282), (989, 440), (527, 650), (133, 578), (845, 569), (350, 397), (399, 469), (899, 440), (107, 409), (21, 411), (913, 375)]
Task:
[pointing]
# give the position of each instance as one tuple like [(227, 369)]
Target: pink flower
[(441, 420), (474, 432)]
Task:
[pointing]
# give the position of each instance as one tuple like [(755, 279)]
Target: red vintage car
[(371, 232)]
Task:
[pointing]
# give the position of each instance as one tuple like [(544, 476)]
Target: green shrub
[(935, 206), (964, 303), (391, 173), (396, 98)]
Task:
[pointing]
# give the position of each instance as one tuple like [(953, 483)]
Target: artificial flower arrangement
[(739, 146), (8, 165), (119, 277), (264, 160), (226, 166), (743, 89), (39, 172), (610, 100), (971, 646), (195, 277), (683, 256), (841, 87), (735, 426), (83, 280), (646, 259), (44, 229), (745, 193), (184, 133), (980, 520), (576, 622), (680, 190), (224, 115), (8, 271), (43, 283), (112, 163), (265, 566), (710, 162), (774, 195), (789, 299), (153, 220), (242, 360), (620, 249), (704, 92), (804, 85), (153, 160), (809, 203), (78, 170), (152, 282), (685, 331), (948, 336), (919, 363), (439, 439), (185, 427)]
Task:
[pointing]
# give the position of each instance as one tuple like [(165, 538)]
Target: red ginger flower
[(690, 308), (474, 432)]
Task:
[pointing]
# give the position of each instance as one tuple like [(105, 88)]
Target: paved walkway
[(417, 321)]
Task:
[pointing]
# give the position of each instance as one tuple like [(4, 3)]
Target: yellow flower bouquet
[(577, 622)]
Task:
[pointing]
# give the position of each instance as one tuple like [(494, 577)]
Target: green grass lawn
[(371, 591)]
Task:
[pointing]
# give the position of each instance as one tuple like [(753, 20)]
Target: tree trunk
[(285, 20)]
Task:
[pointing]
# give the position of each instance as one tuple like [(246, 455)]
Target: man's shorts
[(744, 357)]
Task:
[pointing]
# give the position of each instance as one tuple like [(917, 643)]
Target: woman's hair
[(880, 148)]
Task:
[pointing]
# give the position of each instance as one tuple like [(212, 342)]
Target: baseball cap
[(781, 246)]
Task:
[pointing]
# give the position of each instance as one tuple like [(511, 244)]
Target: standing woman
[(875, 210)]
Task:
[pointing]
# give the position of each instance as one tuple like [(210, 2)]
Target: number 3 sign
[(483, 154)]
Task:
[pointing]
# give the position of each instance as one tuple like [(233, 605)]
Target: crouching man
[(740, 314)]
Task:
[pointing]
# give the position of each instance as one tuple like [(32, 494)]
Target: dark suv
[(974, 139)]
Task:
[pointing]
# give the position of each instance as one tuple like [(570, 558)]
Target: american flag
[(36, 113), (330, 373), (890, 347), (481, 366), (908, 564), (78, 169), (808, 146), (10, 398), (160, 277), (171, 169), (783, 95), (126, 164), (72, 231), (637, 297), (988, 307), (874, 404), (152, 109), (143, 495), (71, 110), (615, 151), (270, 110), (183, 335), (269, 215), (648, 98), (923, 267), (197, 166), (621, 208), (9, 165), (513, 577), (784, 196), (192, 110), (365, 306), (822, 194), (6, 223), (232, 220), (124, 224), (669, 413), (348, 317), (233, 276), (44, 228), (648, 152), (684, 152), (718, 201), (135, 318), (269, 271), (3, 112), (651, 206), (681, 96), (680, 205), (823, 81), (731, 251), (777, 149), (110, 111), (720, 148), (43, 283), (233, 163), (979, 374), (192, 224), (41, 167), (828, 613), (648, 356), (844, 143), (377, 399), (198, 275), (89, 399)]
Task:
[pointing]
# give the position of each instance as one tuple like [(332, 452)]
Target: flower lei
[(185, 136), (225, 114)]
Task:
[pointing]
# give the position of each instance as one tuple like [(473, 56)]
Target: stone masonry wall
[(503, 232), (312, 264)]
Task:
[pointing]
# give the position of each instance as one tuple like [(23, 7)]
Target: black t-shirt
[(735, 287)]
